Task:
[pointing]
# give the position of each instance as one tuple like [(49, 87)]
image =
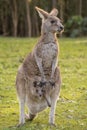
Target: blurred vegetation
[(76, 26), (19, 18)]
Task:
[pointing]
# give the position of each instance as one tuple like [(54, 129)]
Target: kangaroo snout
[(61, 28)]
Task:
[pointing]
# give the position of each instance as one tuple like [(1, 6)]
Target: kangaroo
[(38, 79)]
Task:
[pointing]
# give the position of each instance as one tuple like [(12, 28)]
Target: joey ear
[(54, 12), (43, 14)]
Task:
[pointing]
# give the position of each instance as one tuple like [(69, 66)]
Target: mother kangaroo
[(38, 79)]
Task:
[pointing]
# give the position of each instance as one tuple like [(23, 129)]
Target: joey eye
[(36, 90), (52, 21), (43, 91), (35, 83)]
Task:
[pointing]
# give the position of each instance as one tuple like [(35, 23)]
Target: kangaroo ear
[(43, 14), (54, 12)]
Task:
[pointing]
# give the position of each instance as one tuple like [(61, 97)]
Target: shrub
[(84, 26), (76, 26)]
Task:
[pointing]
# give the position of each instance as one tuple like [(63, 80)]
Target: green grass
[(71, 110)]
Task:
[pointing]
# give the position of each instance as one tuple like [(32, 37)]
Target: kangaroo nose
[(40, 95), (61, 27)]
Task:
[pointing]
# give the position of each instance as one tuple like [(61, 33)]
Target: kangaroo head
[(42, 91), (50, 21), (36, 90)]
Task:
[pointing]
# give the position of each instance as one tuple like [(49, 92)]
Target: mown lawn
[(71, 110)]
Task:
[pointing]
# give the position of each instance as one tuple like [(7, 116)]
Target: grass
[(71, 110)]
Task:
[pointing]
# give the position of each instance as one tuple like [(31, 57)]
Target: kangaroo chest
[(49, 52)]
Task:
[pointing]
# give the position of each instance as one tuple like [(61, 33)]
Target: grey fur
[(41, 66)]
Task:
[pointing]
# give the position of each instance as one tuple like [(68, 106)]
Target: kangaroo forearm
[(39, 64), (41, 71), (54, 65)]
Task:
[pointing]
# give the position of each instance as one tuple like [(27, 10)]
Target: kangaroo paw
[(52, 83), (26, 116)]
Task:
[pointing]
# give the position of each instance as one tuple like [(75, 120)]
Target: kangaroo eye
[(52, 21)]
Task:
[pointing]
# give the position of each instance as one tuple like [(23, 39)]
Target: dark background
[(19, 18)]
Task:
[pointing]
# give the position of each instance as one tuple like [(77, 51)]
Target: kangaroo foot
[(30, 117)]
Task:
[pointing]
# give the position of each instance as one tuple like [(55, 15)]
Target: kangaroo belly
[(49, 52)]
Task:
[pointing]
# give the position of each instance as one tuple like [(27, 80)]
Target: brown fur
[(41, 66)]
